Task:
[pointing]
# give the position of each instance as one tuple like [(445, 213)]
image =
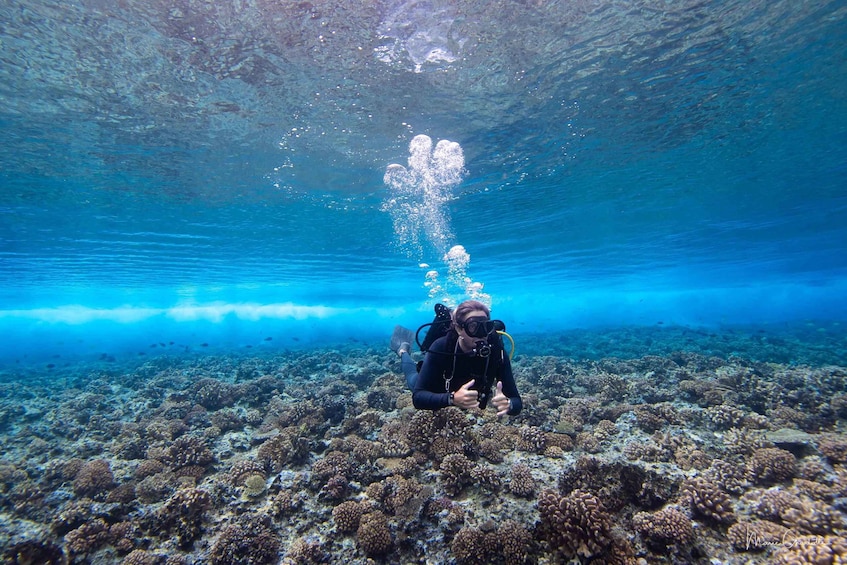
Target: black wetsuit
[(430, 392)]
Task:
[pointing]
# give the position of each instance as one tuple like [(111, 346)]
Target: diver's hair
[(466, 307)]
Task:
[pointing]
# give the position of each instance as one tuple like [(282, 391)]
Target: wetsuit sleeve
[(510, 388), (429, 393)]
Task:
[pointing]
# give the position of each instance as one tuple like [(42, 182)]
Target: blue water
[(211, 175)]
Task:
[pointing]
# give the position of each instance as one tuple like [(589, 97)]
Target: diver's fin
[(400, 336)]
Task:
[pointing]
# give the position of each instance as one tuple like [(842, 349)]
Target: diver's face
[(474, 315)]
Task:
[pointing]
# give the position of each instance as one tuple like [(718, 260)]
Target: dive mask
[(480, 327)]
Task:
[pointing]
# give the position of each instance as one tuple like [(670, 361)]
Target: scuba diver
[(465, 362)]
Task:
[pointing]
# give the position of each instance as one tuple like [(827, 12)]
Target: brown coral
[(347, 515), (708, 500), (812, 550), (576, 524), (522, 482), (183, 513), (725, 416), (240, 470), (189, 451), (469, 547), (332, 464), (455, 473), (771, 465), (812, 517), (756, 535), (834, 448), (665, 527), (514, 540), (249, 541), (772, 503), (94, 479), (491, 450), (442, 432), (282, 449), (730, 476), (88, 537), (141, 557), (373, 534), (531, 439), (486, 477)]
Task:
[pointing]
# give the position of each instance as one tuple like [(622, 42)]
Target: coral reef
[(667, 526), (771, 465), (308, 457), (347, 516), (576, 524), (522, 482), (373, 535), (708, 501), (251, 540)]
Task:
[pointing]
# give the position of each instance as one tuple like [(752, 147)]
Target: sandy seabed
[(676, 447)]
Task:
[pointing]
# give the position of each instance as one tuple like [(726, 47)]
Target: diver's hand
[(465, 397), (500, 400)]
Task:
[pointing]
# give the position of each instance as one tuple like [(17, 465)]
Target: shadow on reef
[(319, 457)]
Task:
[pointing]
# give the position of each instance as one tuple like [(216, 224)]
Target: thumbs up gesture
[(500, 400), (465, 397)]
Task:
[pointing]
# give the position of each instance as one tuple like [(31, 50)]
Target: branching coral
[(834, 448), (373, 534), (486, 477), (522, 482), (812, 550), (94, 479), (665, 527), (332, 464), (576, 524), (88, 537), (706, 499), (731, 477), (531, 439), (347, 515), (141, 557), (470, 547), (771, 465), (442, 432), (812, 517), (251, 540), (515, 542), (757, 535), (456, 473), (725, 416), (397, 495), (182, 515), (189, 451), (34, 552), (288, 447), (213, 394)]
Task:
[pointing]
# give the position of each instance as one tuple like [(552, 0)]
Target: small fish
[(204, 344), (50, 365), (269, 339)]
